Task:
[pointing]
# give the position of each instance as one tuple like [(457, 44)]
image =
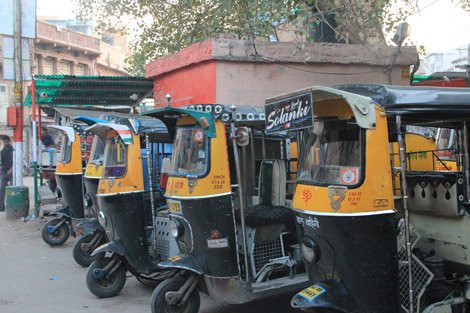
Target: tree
[(167, 26)]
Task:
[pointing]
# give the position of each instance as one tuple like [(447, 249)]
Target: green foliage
[(166, 26)]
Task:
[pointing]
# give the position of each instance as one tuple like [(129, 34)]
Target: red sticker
[(198, 135), (349, 176)]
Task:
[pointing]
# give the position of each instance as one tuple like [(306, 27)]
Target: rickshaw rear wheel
[(84, 258), (105, 287), (159, 304), (59, 236)]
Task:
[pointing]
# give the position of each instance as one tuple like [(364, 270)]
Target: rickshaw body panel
[(205, 209), (74, 166), (209, 229), (71, 188), (126, 224)]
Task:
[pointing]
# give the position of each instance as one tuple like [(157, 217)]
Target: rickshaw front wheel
[(108, 285), (55, 236), (81, 256), (159, 304)]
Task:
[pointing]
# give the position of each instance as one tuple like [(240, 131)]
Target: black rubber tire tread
[(81, 257), (57, 238), (159, 305), (95, 286)]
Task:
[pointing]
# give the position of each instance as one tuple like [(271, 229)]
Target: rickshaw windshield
[(190, 151), (65, 149), (332, 153), (115, 158), (446, 143), (97, 151)]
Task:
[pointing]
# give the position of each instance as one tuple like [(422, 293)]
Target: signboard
[(28, 18), (289, 114)]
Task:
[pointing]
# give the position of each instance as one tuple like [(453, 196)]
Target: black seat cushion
[(263, 215)]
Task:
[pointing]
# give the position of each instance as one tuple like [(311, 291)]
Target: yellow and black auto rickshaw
[(235, 236), (69, 176), (348, 216), (130, 204)]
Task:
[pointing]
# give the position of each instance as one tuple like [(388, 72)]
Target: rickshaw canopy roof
[(244, 115), (124, 126), (417, 104), (67, 130)]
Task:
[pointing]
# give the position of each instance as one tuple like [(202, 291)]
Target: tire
[(159, 304), (84, 258), (58, 237), (105, 287)]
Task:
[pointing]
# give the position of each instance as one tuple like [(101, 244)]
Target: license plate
[(312, 292), (174, 206)]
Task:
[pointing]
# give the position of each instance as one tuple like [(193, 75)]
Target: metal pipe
[(157, 173), (453, 301), (35, 147), (263, 145), (466, 163), (253, 159), (404, 198), (152, 200), (241, 192)]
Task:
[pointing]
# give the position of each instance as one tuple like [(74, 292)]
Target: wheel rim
[(56, 234), (107, 282)]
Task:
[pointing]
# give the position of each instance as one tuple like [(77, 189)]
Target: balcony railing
[(49, 33)]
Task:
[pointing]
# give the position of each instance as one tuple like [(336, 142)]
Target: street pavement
[(37, 278)]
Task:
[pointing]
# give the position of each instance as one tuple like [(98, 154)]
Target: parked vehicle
[(69, 177), (236, 239), (347, 216), (131, 206), (94, 233)]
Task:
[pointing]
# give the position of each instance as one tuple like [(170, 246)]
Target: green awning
[(66, 90)]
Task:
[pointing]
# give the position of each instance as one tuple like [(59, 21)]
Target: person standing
[(49, 145), (6, 172)]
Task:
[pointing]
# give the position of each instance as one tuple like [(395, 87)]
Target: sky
[(439, 25)]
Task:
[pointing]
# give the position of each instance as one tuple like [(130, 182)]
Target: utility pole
[(18, 101)]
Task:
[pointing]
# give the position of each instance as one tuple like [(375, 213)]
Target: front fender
[(64, 211), (328, 294), (192, 261), (112, 247), (91, 224)]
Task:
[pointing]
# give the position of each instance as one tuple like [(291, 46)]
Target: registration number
[(312, 292), (174, 206)]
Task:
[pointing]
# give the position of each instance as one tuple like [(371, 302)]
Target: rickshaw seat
[(436, 193)]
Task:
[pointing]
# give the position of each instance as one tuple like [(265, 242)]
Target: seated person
[(49, 144)]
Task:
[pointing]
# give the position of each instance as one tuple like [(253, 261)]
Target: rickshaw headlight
[(176, 228), (310, 250), (102, 219)]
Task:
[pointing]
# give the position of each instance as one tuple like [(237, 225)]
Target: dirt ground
[(37, 278)]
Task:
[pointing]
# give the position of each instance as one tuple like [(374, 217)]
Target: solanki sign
[(289, 114)]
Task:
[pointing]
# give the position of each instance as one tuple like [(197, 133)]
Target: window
[(190, 151), (65, 149), (331, 154), (115, 158), (97, 151)]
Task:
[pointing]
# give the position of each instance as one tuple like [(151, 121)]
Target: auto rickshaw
[(69, 176), (129, 201), (347, 215), (235, 237), (94, 233)]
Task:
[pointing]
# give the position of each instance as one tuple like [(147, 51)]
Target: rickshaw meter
[(176, 228), (310, 250)]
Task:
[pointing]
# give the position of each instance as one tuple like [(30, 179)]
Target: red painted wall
[(189, 85)]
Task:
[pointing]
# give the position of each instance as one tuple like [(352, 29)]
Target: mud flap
[(91, 224), (65, 211), (327, 294), (112, 247), (192, 261)]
